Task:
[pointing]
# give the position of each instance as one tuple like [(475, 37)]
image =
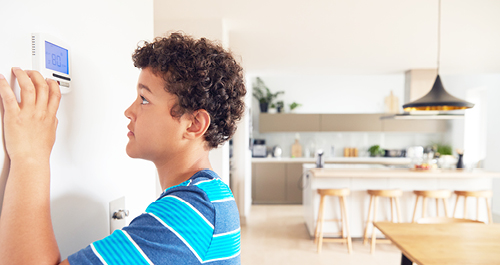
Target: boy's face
[(154, 134)]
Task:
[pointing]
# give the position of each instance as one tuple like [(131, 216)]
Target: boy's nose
[(128, 112)]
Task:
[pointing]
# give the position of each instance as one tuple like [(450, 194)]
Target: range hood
[(426, 97)]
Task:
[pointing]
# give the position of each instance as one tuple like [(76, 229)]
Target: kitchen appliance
[(320, 160), (259, 148), (277, 151), (415, 152), (395, 153)]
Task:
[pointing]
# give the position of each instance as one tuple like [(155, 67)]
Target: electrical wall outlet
[(117, 214)]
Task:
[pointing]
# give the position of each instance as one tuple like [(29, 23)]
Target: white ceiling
[(352, 36)]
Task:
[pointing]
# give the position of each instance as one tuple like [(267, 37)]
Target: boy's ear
[(200, 121)]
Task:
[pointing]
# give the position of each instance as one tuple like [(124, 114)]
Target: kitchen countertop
[(400, 173), (337, 160)]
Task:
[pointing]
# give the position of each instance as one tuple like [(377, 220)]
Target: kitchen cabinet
[(351, 122), (285, 122), (276, 183), (421, 126), (346, 123), (294, 183)]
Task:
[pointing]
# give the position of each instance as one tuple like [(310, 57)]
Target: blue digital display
[(56, 58)]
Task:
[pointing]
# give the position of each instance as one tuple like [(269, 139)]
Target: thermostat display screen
[(56, 58)]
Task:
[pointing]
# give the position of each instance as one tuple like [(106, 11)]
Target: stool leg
[(456, 204), (320, 215), (437, 207), (424, 206), (477, 208), (415, 210), (346, 221), (342, 232), (321, 221), (374, 237), (398, 210), (365, 236), (465, 207), (392, 210), (488, 208), (445, 203)]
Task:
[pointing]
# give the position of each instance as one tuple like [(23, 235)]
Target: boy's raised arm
[(26, 234)]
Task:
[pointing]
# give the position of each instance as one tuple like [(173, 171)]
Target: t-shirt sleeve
[(176, 229)]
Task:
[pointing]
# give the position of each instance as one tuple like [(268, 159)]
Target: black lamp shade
[(437, 99)]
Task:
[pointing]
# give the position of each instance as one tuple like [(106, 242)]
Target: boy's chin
[(131, 153)]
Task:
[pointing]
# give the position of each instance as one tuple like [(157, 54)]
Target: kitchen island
[(279, 180), (359, 178)]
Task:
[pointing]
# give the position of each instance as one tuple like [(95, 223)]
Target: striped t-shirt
[(195, 222)]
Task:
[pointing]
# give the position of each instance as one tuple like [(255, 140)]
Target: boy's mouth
[(130, 133)]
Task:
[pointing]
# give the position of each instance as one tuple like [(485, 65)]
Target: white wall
[(331, 93), (241, 170), (89, 163), (491, 83), (211, 29), (493, 149)]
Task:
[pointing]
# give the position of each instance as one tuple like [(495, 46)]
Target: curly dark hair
[(202, 75)]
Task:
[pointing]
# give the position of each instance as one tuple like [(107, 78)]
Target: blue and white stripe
[(118, 248), (185, 221), (216, 190), (224, 246)]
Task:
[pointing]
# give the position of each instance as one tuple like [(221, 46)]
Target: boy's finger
[(42, 88), (8, 98), (54, 96), (28, 94)]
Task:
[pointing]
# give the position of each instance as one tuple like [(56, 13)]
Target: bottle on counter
[(307, 152), (350, 152), (347, 152)]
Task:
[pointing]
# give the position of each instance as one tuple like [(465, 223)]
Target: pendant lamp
[(437, 99)]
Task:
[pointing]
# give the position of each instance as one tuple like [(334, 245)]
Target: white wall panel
[(89, 165)]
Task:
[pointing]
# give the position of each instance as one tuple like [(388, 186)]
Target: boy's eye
[(144, 101)]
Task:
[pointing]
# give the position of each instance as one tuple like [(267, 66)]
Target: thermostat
[(51, 57)]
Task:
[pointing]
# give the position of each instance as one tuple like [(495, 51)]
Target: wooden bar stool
[(345, 235), (393, 195), (486, 194), (435, 194)]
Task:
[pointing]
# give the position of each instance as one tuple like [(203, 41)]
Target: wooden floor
[(276, 234)]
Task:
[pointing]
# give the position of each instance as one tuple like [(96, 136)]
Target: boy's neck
[(181, 168)]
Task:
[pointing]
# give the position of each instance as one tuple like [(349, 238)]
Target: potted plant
[(262, 93), (444, 154), (375, 150), (293, 106), (279, 106), (272, 108), (443, 149)]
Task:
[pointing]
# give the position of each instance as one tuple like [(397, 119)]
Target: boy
[(189, 97)]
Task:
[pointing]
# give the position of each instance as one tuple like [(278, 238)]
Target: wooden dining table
[(443, 244)]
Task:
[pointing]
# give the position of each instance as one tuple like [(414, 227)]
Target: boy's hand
[(30, 126)]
